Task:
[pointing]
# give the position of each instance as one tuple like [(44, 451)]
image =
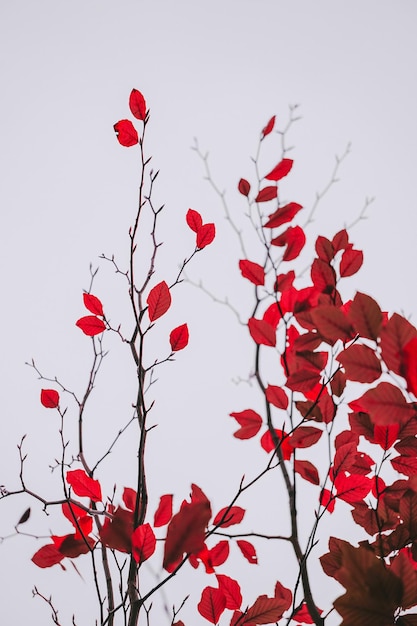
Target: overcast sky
[(216, 70)]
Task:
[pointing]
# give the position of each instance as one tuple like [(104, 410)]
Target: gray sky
[(216, 71)]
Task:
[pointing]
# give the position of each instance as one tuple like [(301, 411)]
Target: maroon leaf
[(126, 133), (244, 187), (360, 363), (385, 405), (365, 315), (266, 610), (307, 470), (305, 436), (159, 301)]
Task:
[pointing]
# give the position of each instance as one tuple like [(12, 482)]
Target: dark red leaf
[(307, 471), (129, 498), (267, 193), (266, 610), (126, 133), (137, 104), (409, 365), (179, 338), (116, 533), (365, 315), (268, 444), (261, 332), (212, 604), (350, 262), (93, 304), (49, 398), (194, 220), (248, 551), (163, 513), (252, 271), (332, 324), (72, 546), (228, 516), (24, 517), (186, 531), (91, 325), (303, 380), (244, 187), (385, 405), (280, 170), (205, 235), (405, 465), (323, 276), (276, 396), (340, 241), (83, 485), (47, 556), (143, 543), (360, 363), (250, 423), (283, 215), (305, 436), (158, 301), (269, 127), (324, 249)]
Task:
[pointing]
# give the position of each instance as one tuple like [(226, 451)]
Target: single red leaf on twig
[(158, 301), (84, 485), (267, 193), (252, 271), (163, 514), (194, 220), (294, 238), (231, 590), (137, 104), (244, 187), (262, 332), (280, 170), (205, 235), (269, 127), (212, 604), (276, 396), (307, 471), (350, 262), (143, 543), (93, 304), (91, 325), (250, 423), (283, 215), (126, 133), (179, 338), (266, 610), (248, 551), (49, 398), (230, 516)]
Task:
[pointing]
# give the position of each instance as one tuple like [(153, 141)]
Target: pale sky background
[(218, 71)]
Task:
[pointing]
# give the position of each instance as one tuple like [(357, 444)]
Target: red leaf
[(49, 398), (304, 616), (248, 551), (262, 332), (405, 465), (253, 272), (250, 423), (159, 300), (79, 518), (186, 531), (47, 556), (129, 498), (360, 363), (280, 170), (179, 338), (409, 365), (231, 591), (219, 553), (93, 304), (305, 436), (205, 235), (73, 546), (276, 396), (340, 241), (332, 323), (268, 443), (307, 471), (269, 127), (116, 533), (83, 485), (366, 316), (212, 604), (323, 276), (194, 220), (266, 610), (353, 488), (324, 249), (385, 405), (143, 543), (126, 133), (137, 104), (294, 238), (283, 215), (163, 513), (230, 516), (395, 335), (267, 193), (272, 315), (91, 325), (350, 262), (327, 500), (244, 187), (303, 380)]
